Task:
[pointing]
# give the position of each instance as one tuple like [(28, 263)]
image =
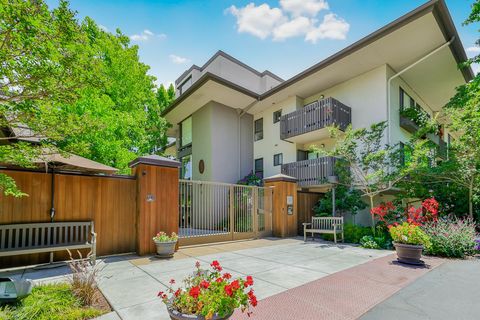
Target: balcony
[(313, 172), (310, 123)]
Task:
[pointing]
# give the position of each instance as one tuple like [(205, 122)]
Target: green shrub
[(369, 242), (451, 237), (354, 233), (53, 301)]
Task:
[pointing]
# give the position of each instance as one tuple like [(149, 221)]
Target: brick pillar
[(157, 199), (284, 190)]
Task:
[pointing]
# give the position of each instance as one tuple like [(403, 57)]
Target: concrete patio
[(276, 265), (131, 283)]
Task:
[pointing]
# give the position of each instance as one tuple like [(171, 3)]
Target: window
[(258, 129), (186, 167), (186, 132), (276, 116), (259, 168), (278, 159), (185, 85), (405, 100), (302, 155)]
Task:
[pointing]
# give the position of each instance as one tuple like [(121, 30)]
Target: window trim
[(275, 162)]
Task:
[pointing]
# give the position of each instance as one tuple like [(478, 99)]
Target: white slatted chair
[(324, 225), (29, 238)]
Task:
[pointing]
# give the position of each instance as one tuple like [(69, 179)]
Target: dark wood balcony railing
[(311, 172), (315, 116)]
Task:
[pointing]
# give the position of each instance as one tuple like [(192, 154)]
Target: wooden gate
[(214, 212), (305, 203)]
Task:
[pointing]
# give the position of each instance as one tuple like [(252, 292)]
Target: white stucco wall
[(223, 141), (233, 72), (365, 94)]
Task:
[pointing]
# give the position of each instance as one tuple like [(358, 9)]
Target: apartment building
[(230, 119)]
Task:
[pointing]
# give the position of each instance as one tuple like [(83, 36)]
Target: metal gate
[(213, 212)]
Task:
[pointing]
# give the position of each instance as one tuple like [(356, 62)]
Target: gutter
[(241, 112), (389, 82)]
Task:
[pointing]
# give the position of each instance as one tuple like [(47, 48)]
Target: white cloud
[(331, 27), (293, 28), (294, 18), (258, 21), (148, 32), (102, 27), (146, 35), (304, 7), (473, 49), (178, 60)]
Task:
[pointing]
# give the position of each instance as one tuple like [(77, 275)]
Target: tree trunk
[(470, 200), (371, 215)]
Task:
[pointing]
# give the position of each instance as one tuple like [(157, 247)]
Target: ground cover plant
[(50, 302)]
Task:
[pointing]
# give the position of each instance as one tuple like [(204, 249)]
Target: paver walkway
[(343, 295)]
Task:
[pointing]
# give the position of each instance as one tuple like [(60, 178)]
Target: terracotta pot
[(409, 253), (165, 249), (175, 315)]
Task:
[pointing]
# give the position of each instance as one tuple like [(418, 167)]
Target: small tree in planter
[(209, 294), (165, 244), (375, 167), (409, 241)]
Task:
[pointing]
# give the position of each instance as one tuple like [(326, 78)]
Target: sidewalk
[(451, 291)]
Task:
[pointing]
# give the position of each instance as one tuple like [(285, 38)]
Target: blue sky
[(283, 36)]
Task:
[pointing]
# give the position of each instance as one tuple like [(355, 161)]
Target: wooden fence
[(109, 201), (306, 201)]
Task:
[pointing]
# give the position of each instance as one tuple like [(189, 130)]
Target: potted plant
[(165, 244), (409, 241), (208, 294)]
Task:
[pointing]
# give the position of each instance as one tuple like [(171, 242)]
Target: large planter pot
[(409, 253), (175, 315), (165, 249)]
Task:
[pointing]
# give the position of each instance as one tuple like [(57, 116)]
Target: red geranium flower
[(227, 275), (194, 292), (204, 284), (235, 285), (228, 290), (248, 282), (216, 265)]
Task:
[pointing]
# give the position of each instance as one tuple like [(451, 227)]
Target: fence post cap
[(155, 160), (280, 177)]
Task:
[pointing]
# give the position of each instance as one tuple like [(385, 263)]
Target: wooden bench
[(324, 225), (29, 238)]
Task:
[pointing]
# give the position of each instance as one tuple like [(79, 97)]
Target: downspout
[(239, 139), (389, 82)]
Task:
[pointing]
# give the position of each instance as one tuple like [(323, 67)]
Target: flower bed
[(451, 237)]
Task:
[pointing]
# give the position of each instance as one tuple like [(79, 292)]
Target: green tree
[(347, 199), (69, 85), (125, 111), (461, 172), (374, 165), (165, 97)]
